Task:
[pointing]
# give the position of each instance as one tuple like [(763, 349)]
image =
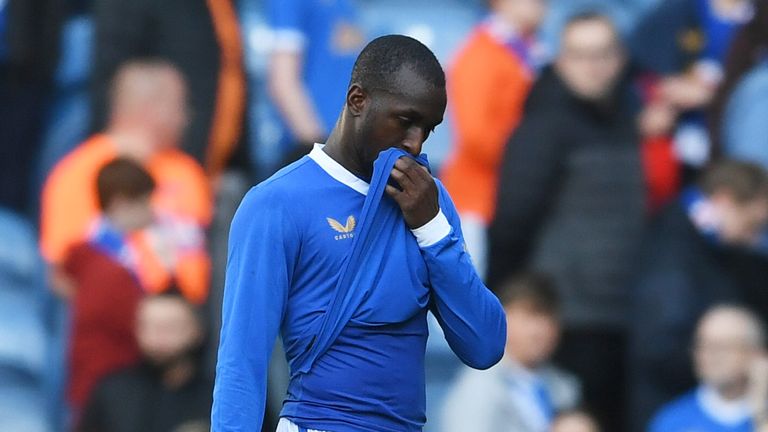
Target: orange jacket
[(69, 206), (487, 88)]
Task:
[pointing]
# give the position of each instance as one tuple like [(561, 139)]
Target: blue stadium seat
[(22, 404), (26, 363), (23, 337), (19, 259)]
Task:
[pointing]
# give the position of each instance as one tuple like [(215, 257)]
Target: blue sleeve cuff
[(433, 231)]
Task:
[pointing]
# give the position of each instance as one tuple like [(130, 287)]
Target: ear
[(357, 99)]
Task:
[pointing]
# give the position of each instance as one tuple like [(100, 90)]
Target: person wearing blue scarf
[(700, 251), (343, 253)]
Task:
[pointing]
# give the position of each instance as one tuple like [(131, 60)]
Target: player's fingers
[(421, 180), (405, 181), (422, 173), (409, 167), (394, 193)]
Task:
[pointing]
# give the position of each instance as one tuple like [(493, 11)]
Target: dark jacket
[(681, 275), (571, 201), (134, 400)]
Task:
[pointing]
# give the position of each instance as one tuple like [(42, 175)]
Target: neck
[(340, 147), (130, 142), (114, 223), (178, 373), (731, 392), (511, 359)]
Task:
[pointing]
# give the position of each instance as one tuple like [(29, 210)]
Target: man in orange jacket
[(487, 87), (148, 116)]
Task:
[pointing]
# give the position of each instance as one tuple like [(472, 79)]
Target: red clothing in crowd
[(104, 313)]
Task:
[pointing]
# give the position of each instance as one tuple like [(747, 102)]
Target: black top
[(134, 400), (571, 199)]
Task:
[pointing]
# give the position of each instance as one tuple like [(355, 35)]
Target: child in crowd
[(106, 288)]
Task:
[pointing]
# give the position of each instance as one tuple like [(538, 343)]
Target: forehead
[(588, 33), (726, 324), (409, 91), (163, 310)]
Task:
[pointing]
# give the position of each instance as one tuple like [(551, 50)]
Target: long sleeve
[(263, 248), (469, 313), (527, 183)]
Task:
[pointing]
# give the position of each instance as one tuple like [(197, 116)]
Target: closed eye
[(405, 121)]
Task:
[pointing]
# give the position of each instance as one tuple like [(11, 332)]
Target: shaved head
[(728, 340), (734, 323), (149, 96)]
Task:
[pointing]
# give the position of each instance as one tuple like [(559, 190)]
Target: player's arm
[(285, 74), (263, 246), (470, 315)]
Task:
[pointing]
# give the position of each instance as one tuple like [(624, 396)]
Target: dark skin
[(402, 117)]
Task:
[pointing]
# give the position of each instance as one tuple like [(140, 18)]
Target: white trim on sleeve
[(433, 231)]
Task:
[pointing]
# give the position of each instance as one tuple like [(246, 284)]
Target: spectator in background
[(737, 116), (201, 39), (681, 46), (524, 391), (103, 271), (695, 256), (314, 48), (29, 52), (571, 203), (729, 357), (168, 391), (575, 421), (147, 119), (487, 87)]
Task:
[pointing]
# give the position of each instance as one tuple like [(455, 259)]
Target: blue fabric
[(107, 239), (285, 261), (685, 415), (378, 216), (745, 131), (718, 31), (544, 400), (327, 67)]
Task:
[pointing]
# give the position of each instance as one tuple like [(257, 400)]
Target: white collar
[(335, 170), (723, 411)]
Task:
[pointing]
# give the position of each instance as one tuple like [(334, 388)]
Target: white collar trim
[(335, 170), (723, 411)]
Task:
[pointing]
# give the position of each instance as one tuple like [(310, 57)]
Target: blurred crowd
[(609, 159)]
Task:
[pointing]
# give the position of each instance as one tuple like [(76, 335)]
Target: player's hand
[(418, 197)]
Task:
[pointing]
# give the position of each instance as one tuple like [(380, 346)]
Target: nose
[(414, 140)]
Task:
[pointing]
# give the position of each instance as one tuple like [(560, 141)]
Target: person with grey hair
[(729, 357)]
